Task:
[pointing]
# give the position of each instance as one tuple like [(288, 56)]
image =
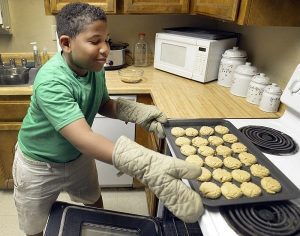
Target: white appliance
[(212, 223), (113, 129), (194, 57)]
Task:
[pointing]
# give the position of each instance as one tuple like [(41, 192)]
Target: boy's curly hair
[(73, 17)]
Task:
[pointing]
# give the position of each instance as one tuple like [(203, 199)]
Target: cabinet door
[(221, 9), (269, 13), (54, 6), (8, 138), (156, 6)]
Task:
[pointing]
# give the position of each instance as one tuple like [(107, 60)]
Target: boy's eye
[(95, 42)]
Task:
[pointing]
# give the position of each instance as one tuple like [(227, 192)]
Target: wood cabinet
[(150, 141), (221, 9), (242, 12), (12, 110), (54, 6), (251, 12), (126, 6), (154, 6)]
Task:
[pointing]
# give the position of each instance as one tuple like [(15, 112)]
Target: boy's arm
[(161, 173), (109, 109), (147, 116), (81, 136)]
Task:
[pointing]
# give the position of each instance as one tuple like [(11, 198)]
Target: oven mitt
[(148, 116), (162, 174)]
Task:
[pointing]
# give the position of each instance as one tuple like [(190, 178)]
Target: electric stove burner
[(270, 140), (282, 218)]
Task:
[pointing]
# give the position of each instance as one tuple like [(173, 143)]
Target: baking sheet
[(288, 191)]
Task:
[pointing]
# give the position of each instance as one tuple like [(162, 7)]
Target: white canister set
[(243, 80)]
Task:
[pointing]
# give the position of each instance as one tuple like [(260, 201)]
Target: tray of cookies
[(234, 170)]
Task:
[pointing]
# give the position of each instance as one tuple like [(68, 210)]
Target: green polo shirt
[(59, 98)]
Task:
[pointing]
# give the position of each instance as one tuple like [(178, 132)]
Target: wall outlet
[(53, 32)]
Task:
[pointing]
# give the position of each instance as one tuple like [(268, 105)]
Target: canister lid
[(261, 79), (246, 69), (273, 89), (234, 52)]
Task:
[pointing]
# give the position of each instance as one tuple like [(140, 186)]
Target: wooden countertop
[(178, 97)]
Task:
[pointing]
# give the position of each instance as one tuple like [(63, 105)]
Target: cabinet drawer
[(13, 110)]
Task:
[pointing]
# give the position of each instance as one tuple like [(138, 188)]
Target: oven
[(279, 141), (73, 220)]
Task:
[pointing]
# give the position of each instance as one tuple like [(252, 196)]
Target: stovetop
[(212, 222)]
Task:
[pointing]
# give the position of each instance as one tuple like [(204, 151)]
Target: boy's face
[(89, 49)]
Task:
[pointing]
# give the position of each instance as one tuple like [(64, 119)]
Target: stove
[(279, 140)]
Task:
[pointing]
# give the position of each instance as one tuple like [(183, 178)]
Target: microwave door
[(174, 57)]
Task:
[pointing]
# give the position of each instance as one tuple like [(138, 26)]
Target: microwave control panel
[(200, 61)]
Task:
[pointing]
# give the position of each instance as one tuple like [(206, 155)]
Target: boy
[(56, 146)]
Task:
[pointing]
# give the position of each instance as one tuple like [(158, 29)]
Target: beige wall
[(29, 23), (274, 50)]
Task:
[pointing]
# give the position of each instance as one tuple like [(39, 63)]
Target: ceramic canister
[(256, 88), (270, 98), (230, 60), (241, 79)]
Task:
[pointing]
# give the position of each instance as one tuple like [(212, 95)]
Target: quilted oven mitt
[(148, 116), (162, 174)]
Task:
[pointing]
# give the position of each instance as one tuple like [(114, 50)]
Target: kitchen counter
[(178, 97)]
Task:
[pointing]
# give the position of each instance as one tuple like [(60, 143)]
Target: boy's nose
[(104, 50)]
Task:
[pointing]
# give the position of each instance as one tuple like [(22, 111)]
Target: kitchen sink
[(18, 76)]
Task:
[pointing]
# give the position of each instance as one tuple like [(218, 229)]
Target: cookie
[(213, 162), (232, 163), (187, 150), (259, 170), (210, 190), (238, 148), (221, 175), (206, 130), (240, 175), (180, 141), (205, 175), (195, 159), (178, 131), (199, 141), (221, 129), (270, 185), (191, 132), (215, 140), (223, 150), (250, 189), (247, 158), (231, 191), (206, 151), (230, 138)]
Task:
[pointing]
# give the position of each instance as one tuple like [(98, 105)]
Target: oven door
[(71, 220)]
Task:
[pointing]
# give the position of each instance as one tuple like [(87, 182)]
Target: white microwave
[(194, 58)]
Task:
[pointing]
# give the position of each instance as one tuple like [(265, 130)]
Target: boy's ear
[(64, 42)]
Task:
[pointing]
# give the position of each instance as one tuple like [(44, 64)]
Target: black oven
[(72, 220)]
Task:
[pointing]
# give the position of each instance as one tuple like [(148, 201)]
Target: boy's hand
[(162, 174), (148, 116)]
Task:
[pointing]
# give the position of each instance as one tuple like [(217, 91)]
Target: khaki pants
[(38, 184)]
